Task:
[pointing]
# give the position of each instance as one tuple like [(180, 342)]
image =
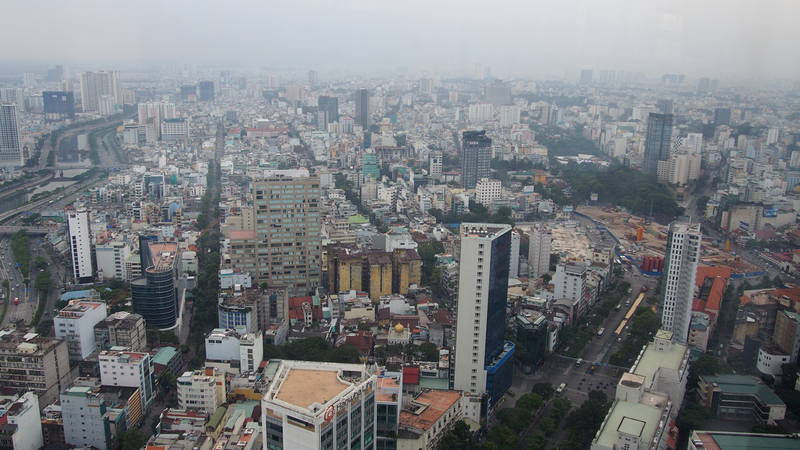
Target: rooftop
[(76, 308), (163, 254), (744, 384), (671, 357), (428, 408), (636, 419), (721, 440), (296, 390), (164, 355), (483, 230), (74, 295)]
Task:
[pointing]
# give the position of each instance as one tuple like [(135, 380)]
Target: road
[(27, 305)]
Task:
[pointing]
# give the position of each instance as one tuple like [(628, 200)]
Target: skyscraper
[(58, 105), (539, 247), (94, 85), (361, 99), (586, 76), (498, 93), (289, 249), (10, 149), (80, 245), (657, 142), (483, 363), (722, 116), (329, 106), (680, 270), (476, 155), (205, 91), (312, 78), (154, 296)]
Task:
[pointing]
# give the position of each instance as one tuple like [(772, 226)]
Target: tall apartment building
[(483, 364), (46, 370), (202, 390), (75, 324), (10, 148), (540, 243), (317, 405), (58, 105), (658, 143), (129, 369), (21, 425), (153, 294), (83, 411), (476, 156), (121, 329), (205, 91), (361, 99), (513, 263), (80, 245), (288, 247), (95, 85), (328, 107), (570, 286), (435, 161), (488, 190), (680, 269), (111, 258)]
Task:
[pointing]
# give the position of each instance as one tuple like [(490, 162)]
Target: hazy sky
[(696, 37)]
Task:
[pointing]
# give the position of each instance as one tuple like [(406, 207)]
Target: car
[(561, 388), (579, 362)]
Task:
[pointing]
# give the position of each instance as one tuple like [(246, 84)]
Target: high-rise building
[(483, 359), (153, 294), (22, 426), (361, 100), (75, 324), (513, 263), (329, 106), (498, 93), (488, 190), (722, 116), (94, 85), (435, 164), (476, 157), (128, 369), (10, 148), (46, 364), (318, 405), (188, 92), (665, 106), (205, 91), (58, 105), (540, 243), (83, 410), (313, 78), (680, 270), (586, 76), (203, 390), (121, 329), (287, 215), (570, 285), (80, 245), (657, 142)]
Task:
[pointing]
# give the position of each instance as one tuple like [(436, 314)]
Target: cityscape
[(236, 227)]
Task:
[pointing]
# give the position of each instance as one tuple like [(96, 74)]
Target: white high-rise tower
[(680, 271), (539, 247), (80, 245)]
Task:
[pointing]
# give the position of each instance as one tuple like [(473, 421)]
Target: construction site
[(645, 241)]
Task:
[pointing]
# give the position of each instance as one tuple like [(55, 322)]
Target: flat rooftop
[(632, 418), (163, 254), (304, 387), (433, 405), (652, 360), (716, 440)]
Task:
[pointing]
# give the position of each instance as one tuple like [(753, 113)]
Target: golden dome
[(399, 328)]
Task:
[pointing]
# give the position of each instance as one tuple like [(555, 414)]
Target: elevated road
[(11, 229)]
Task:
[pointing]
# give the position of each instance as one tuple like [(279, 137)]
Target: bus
[(601, 331)]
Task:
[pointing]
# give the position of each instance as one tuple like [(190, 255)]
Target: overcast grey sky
[(697, 37)]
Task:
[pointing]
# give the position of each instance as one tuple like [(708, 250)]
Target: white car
[(561, 388)]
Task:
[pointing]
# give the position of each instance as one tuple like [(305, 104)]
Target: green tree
[(515, 418), (536, 442), (530, 401), (503, 436), (458, 438), (132, 439), (429, 351), (545, 390)]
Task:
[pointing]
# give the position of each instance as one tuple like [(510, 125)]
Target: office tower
[(83, 411), (80, 245), (330, 107), (10, 149), (657, 142), (722, 116), (484, 360), (46, 360), (680, 270), (336, 401), (513, 264), (586, 76), (665, 106), (58, 105), (498, 93), (287, 215), (435, 164), (476, 156), (312, 78), (361, 100), (540, 243), (205, 91), (154, 294), (75, 324)]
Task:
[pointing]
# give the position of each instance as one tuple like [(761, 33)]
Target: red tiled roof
[(715, 295), (411, 375)]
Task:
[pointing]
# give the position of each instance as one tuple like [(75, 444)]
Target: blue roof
[(72, 295), (164, 355)]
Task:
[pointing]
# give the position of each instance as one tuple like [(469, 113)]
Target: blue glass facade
[(498, 296), (499, 373)]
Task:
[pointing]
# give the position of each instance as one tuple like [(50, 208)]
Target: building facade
[(476, 156), (657, 142), (80, 245), (680, 271), (202, 390), (75, 324), (121, 329), (10, 148), (83, 412), (58, 105), (129, 369), (154, 296), (46, 371)]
